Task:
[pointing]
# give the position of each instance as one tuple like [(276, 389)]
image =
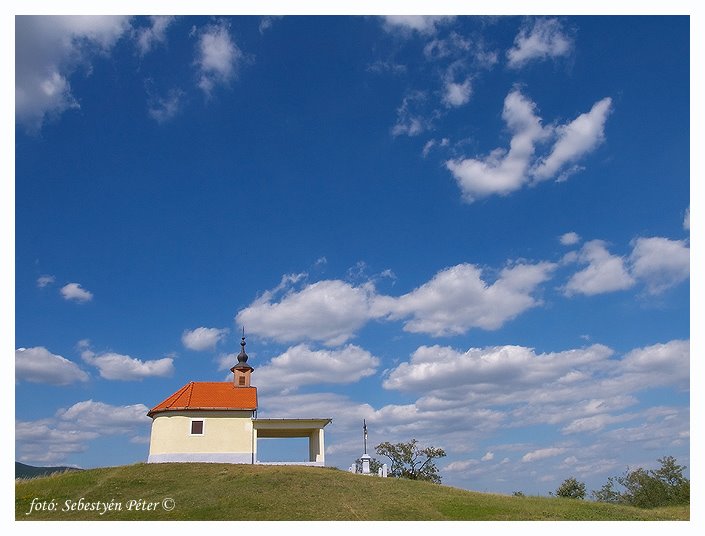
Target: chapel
[(217, 422)]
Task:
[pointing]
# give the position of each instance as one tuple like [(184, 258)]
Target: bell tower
[(242, 371)]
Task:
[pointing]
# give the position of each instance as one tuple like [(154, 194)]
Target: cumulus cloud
[(660, 263), (455, 93), (575, 140), (74, 291), (604, 272), (488, 457), (531, 388), (300, 365), (466, 396), (502, 171), (39, 365), (544, 39), (457, 299), (569, 239), (45, 280), (686, 219), (515, 367), (424, 24), (155, 34), (49, 49), (217, 57), (329, 311), (541, 454), (452, 302), (203, 338), (70, 431), (113, 366)]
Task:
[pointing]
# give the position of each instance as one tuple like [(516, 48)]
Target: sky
[(473, 231)]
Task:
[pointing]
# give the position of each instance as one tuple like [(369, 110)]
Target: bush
[(571, 489), (648, 489)]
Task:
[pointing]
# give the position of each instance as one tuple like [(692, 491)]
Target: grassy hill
[(258, 492)]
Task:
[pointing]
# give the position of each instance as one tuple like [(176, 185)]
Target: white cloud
[(542, 40), (575, 140), (410, 121), (503, 368), (488, 457), (457, 94), (114, 366), (203, 338), (266, 22), (70, 431), (467, 396), (48, 50), (148, 37), (594, 423), (300, 365), (658, 365), (452, 46), (45, 280), (163, 109), (569, 239), (74, 291), (329, 311), (541, 454), (457, 299), (605, 272), (686, 219), (454, 301), (425, 24), (39, 365), (218, 57), (660, 263), (430, 144), (502, 172), (105, 419)]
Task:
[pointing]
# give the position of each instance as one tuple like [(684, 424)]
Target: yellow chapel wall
[(227, 437)]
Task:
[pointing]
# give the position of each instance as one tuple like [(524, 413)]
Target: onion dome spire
[(242, 357)]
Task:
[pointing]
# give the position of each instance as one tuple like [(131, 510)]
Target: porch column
[(316, 447)]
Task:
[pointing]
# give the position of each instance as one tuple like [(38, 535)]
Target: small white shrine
[(365, 458)]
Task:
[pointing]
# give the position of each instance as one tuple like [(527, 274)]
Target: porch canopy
[(285, 428)]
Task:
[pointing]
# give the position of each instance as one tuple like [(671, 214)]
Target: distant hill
[(29, 471), (210, 491)]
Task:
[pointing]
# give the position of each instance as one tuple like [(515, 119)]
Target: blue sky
[(473, 231)]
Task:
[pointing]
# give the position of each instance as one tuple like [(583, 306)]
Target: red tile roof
[(209, 396)]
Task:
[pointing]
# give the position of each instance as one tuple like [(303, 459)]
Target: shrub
[(571, 489), (648, 489)]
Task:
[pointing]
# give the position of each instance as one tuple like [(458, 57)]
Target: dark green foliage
[(411, 461), (664, 486), (571, 489)]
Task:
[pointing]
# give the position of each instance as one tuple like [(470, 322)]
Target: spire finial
[(242, 356)]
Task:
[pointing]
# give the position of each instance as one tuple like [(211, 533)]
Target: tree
[(571, 489), (411, 461), (648, 489)]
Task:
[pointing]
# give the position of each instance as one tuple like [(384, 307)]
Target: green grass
[(263, 493)]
